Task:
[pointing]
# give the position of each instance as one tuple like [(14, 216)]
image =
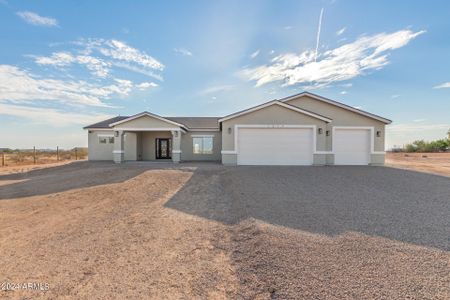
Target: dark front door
[(163, 150)]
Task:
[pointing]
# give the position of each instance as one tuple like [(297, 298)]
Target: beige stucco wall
[(148, 143), (271, 115), (340, 117), (144, 122), (96, 150), (130, 143), (187, 146)]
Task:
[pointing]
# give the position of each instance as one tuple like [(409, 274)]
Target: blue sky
[(66, 64)]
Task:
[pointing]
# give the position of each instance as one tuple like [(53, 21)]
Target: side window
[(106, 139), (202, 145)]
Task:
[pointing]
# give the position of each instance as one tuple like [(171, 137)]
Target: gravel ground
[(208, 231)]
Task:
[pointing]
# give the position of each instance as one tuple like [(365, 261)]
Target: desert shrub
[(423, 146)]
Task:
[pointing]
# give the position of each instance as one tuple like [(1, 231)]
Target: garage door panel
[(352, 147), (275, 146)]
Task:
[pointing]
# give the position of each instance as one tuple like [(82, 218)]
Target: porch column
[(118, 152), (176, 146)]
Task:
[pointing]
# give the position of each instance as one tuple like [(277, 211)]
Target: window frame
[(202, 144), (106, 138)]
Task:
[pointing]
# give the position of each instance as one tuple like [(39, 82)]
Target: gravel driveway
[(105, 231), (400, 205)]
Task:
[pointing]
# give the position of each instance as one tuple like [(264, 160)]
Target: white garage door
[(351, 146), (275, 146)]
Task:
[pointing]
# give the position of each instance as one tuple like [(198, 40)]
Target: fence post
[(57, 153), (76, 153), (34, 154), (3, 159)]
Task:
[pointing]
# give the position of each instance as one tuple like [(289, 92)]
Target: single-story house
[(303, 129)]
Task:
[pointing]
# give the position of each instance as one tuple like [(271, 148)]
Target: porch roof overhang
[(146, 113)]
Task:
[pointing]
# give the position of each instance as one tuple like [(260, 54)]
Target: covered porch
[(147, 145), (147, 137)]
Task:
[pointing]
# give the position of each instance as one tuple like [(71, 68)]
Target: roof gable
[(338, 104), (146, 114), (275, 102)]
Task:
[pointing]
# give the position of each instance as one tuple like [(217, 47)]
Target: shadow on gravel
[(66, 177), (401, 205)]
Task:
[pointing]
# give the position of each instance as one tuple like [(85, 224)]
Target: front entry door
[(163, 149)]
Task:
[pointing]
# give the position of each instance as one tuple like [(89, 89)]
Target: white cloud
[(443, 85), (97, 66), (183, 51), (50, 116), (254, 54), (287, 27), (339, 64), (146, 85), (343, 92), (395, 96), (35, 19), (99, 56), (215, 89), (139, 70), (419, 120), (341, 31), (319, 28), (347, 85), (121, 51), (18, 85)]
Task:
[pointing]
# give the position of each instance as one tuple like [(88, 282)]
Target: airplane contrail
[(318, 33)]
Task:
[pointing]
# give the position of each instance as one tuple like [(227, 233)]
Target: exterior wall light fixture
[(229, 130), (320, 130), (378, 133)]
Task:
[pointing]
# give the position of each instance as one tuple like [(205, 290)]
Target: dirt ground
[(21, 168), (434, 163), (92, 231)]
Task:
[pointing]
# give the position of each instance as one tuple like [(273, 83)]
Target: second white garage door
[(351, 146), (275, 146)]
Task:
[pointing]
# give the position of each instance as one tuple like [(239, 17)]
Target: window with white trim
[(106, 139), (202, 144)]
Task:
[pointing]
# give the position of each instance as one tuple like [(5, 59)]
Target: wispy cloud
[(343, 92), (183, 51), (97, 66), (395, 96), (99, 56), (35, 19), (146, 85), (319, 28), (339, 64), (51, 116), (120, 51), (254, 54), (287, 27), (17, 85), (416, 128), (442, 86), (341, 31), (215, 89), (419, 120)]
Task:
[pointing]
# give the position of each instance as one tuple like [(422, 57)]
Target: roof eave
[(339, 104)]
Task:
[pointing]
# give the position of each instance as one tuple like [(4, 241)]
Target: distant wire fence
[(16, 157)]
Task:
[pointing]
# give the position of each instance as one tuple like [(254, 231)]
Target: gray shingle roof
[(105, 123), (189, 122), (196, 122)]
